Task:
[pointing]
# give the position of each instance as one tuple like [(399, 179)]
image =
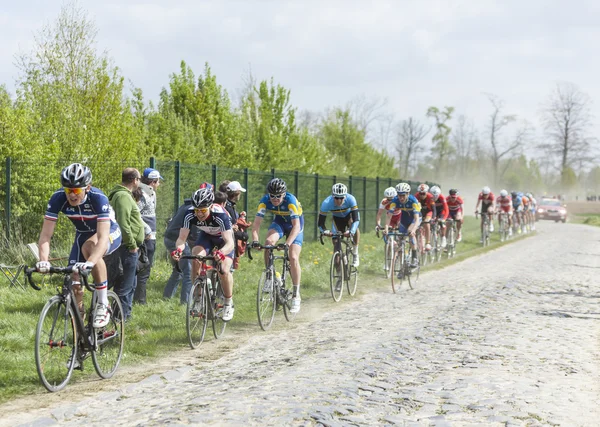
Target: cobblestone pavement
[(510, 337)]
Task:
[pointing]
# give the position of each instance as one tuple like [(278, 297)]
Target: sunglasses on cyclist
[(76, 190), (402, 194), (275, 196), (339, 197), (202, 210)]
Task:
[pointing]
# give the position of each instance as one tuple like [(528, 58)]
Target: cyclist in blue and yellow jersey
[(96, 233), (346, 218), (288, 221), (410, 218), (517, 203)]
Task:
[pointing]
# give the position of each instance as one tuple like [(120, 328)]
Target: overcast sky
[(413, 53)]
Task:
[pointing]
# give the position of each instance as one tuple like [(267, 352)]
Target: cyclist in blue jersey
[(288, 221), (517, 202), (96, 233), (346, 218), (215, 235), (410, 217)]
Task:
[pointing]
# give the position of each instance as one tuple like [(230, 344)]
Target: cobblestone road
[(511, 337)]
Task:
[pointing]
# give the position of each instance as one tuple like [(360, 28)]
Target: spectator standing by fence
[(132, 227), (147, 205)]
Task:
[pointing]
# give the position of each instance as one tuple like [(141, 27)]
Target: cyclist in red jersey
[(486, 198), (455, 210), (425, 198), (441, 211), (388, 194), (504, 205)]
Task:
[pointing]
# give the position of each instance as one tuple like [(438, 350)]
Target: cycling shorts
[(208, 242), (284, 228)]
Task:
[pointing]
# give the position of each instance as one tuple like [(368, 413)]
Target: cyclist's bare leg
[(295, 270), (227, 277), (272, 239), (197, 265), (427, 229), (458, 220), (98, 272)]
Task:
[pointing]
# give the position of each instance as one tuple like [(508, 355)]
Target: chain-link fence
[(27, 186)]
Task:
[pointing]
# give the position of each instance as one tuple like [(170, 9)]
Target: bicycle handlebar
[(200, 258), (60, 270), (260, 247)]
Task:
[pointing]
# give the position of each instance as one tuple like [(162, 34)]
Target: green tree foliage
[(349, 153)]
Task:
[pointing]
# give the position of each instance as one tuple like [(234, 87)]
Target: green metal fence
[(27, 186)]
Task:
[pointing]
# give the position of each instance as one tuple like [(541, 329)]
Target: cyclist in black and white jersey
[(215, 236), (97, 233)]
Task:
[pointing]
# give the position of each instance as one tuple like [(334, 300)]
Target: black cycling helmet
[(203, 198), (514, 194), (276, 186), (76, 175), (453, 192)]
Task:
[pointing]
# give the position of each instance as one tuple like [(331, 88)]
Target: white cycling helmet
[(423, 188), (503, 193), (403, 187), (339, 190), (390, 193), (486, 190), (436, 191)]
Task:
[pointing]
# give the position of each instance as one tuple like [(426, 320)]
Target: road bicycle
[(436, 240), (341, 269), (388, 253), (485, 229), (65, 337), (401, 269), (273, 293), (205, 302), (503, 227), (451, 238)]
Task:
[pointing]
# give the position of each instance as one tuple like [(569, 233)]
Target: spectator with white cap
[(149, 183), (234, 191)]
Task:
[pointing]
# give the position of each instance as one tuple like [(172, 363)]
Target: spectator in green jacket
[(132, 227)]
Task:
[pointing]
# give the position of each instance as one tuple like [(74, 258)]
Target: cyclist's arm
[(477, 205), (378, 216), (102, 231), (45, 237), (256, 227), (183, 235), (355, 221), (294, 231), (321, 223)]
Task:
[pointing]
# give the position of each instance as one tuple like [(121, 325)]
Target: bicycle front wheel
[(352, 281), (390, 247), (109, 340), (218, 324), (397, 275), (266, 299), (55, 344), (196, 317), (336, 276)]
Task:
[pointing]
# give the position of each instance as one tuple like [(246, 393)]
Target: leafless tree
[(464, 139), (502, 147), (566, 118), (366, 111), (410, 133)]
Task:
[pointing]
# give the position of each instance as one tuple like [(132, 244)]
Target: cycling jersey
[(94, 208), (441, 207), (215, 224), (410, 209), (85, 217), (427, 202), (454, 205), (484, 201), (385, 203), (504, 203), (289, 209), (347, 211)]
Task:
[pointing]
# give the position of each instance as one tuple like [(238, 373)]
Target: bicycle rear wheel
[(55, 344), (218, 324), (397, 275), (109, 340), (266, 299), (196, 315), (336, 276)]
